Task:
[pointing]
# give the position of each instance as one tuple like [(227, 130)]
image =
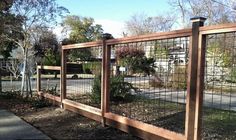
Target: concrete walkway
[(12, 127)]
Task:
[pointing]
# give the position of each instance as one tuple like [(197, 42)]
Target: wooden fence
[(195, 83)]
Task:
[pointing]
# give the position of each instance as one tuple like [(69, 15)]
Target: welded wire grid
[(83, 79), (50, 82), (149, 81), (219, 111)]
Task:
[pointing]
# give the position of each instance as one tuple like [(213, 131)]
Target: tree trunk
[(23, 77), (26, 77)]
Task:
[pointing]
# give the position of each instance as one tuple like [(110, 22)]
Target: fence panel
[(83, 77), (149, 82), (49, 80), (219, 111)]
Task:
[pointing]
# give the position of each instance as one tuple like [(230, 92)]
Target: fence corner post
[(105, 84), (197, 22)]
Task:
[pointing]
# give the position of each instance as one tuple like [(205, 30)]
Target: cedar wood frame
[(195, 83)]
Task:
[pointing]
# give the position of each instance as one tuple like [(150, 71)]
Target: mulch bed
[(61, 124)]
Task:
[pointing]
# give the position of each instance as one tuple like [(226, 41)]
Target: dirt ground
[(61, 124)]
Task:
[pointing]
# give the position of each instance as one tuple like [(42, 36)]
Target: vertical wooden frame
[(106, 98), (105, 84), (200, 87), (103, 81), (38, 79), (63, 76), (192, 78)]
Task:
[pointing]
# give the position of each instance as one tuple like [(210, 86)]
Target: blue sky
[(114, 9), (113, 13)]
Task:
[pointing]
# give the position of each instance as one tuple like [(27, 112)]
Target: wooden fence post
[(38, 79), (197, 22), (105, 84), (200, 86), (63, 76)]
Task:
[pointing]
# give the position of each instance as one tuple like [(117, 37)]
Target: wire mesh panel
[(219, 112), (83, 77), (149, 81), (50, 82)]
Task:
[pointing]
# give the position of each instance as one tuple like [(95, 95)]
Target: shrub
[(156, 82), (119, 90), (75, 76), (129, 51), (232, 76), (92, 68), (39, 103), (179, 78)]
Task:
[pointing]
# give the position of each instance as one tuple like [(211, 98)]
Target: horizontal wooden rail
[(216, 29), (49, 67), (82, 45), (145, 127), (51, 98), (82, 107), (150, 37)]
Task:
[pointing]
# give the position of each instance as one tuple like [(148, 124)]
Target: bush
[(75, 76), (119, 90), (10, 95), (232, 76), (92, 68), (179, 78), (39, 103), (156, 82)]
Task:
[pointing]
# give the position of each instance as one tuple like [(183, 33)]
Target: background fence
[(49, 82), (10, 84), (154, 85)]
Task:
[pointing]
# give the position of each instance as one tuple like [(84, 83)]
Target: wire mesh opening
[(149, 82), (83, 78), (50, 82), (219, 111)]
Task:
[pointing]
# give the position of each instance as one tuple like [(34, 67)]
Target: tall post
[(38, 79), (200, 86), (105, 84), (63, 76), (197, 22)]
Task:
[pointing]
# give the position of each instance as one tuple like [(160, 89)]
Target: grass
[(219, 124)]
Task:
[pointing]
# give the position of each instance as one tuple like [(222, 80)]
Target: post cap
[(197, 19), (107, 36)]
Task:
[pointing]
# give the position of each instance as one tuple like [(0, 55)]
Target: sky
[(112, 14)]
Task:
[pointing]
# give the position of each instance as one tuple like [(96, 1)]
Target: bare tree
[(13, 66), (140, 24), (40, 13), (216, 12)]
